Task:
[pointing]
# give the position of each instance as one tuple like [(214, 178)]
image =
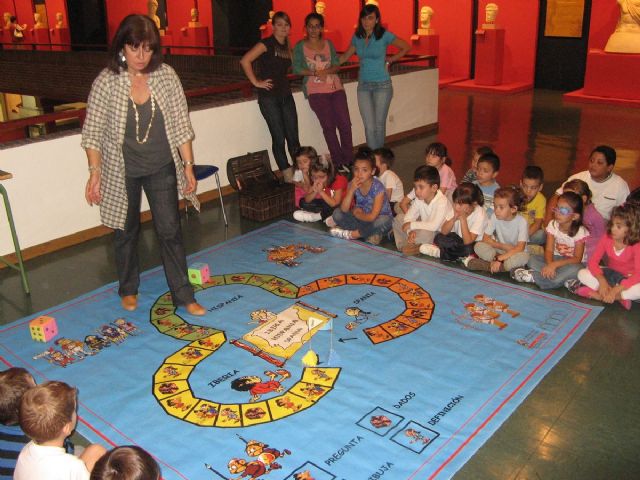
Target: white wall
[(47, 191)]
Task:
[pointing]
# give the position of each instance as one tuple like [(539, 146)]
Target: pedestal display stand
[(610, 78), (60, 39), (41, 38), (193, 37), (425, 44), (489, 56)]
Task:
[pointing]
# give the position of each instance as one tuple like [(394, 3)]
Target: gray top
[(141, 159)]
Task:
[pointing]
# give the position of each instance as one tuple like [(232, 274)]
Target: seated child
[(459, 232), (503, 245), (620, 279), (426, 213), (305, 156), (608, 190), (370, 215), (487, 171), (326, 193), (471, 176), (436, 156), (126, 463), (389, 178), (565, 248), (535, 204), (591, 218), (13, 383), (48, 416)]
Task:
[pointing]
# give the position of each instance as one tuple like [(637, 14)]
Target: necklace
[(137, 115)]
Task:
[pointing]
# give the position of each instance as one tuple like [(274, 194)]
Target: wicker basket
[(262, 195)]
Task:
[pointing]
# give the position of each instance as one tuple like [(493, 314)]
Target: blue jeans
[(374, 99), (162, 193), (564, 273), (282, 119), (347, 221)]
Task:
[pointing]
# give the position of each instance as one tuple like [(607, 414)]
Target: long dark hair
[(575, 202), (134, 30), (378, 29), (315, 16)]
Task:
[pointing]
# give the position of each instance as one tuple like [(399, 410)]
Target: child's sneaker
[(374, 239), (430, 250), (478, 265), (411, 249), (330, 222), (573, 284), (304, 216), (521, 274), (465, 260), (626, 304), (340, 233)]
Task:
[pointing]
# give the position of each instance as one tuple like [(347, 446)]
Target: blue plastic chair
[(205, 171)]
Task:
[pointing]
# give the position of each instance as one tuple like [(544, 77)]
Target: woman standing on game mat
[(137, 135), (370, 43), (273, 59)]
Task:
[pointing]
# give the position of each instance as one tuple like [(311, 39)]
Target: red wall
[(179, 15), (340, 17), (54, 6), (6, 6), (604, 17), (452, 21), (520, 21), (398, 17), (297, 10), (117, 10), (24, 12)]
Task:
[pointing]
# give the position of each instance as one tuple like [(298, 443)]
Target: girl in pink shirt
[(620, 279), (436, 156)]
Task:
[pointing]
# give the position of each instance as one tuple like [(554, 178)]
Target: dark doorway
[(89, 24), (236, 23), (561, 61)]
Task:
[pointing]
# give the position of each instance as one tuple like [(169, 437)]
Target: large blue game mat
[(419, 363)]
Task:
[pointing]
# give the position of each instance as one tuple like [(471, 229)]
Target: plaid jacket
[(104, 129)]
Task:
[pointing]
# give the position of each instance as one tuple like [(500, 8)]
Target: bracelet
[(186, 164), (94, 168)]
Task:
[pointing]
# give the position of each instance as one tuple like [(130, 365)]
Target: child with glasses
[(564, 251)]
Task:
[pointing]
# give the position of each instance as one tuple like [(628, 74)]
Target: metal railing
[(245, 88)]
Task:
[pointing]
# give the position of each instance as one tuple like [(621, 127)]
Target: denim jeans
[(564, 273), (347, 221), (282, 119), (374, 99), (333, 113), (162, 193)]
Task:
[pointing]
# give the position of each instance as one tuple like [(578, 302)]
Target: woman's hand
[(92, 190), (264, 84), (190, 180)]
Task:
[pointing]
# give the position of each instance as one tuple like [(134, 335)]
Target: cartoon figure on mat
[(306, 475), (252, 470), (230, 415), (72, 348), (360, 317), (495, 305), (287, 403), (168, 388), (416, 436), (265, 454), (114, 335), (257, 387), (128, 327), (262, 316), (380, 421), (482, 314), (206, 410), (55, 357), (96, 343)]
